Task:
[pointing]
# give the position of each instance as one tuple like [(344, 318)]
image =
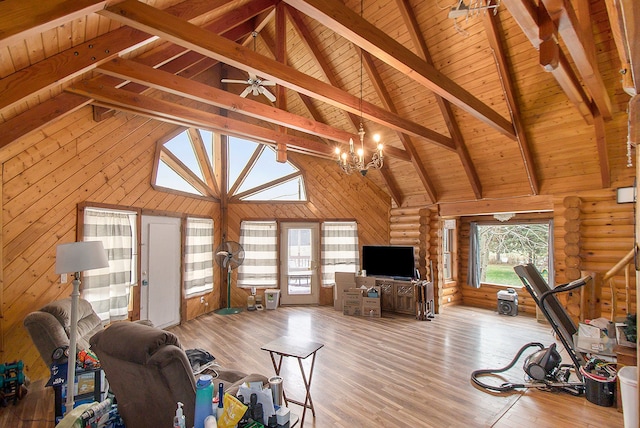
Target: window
[(108, 289), (448, 241), (259, 240), (186, 164), (198, 256), (339, 249), (501, 247)]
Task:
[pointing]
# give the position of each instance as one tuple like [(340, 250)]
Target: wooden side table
[(625, 356)]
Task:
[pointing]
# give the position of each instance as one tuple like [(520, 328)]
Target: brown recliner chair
[(49, 326), (149, 373)]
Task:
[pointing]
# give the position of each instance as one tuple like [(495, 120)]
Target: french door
[(299, 261)]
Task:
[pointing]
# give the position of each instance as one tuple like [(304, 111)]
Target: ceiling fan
[(256, 85)]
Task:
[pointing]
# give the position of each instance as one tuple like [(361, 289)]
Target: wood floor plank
[(392, 371)]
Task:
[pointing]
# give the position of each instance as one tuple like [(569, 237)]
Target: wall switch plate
[(63, 278)]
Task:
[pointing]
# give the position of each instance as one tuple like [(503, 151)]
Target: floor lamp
[(77, 257)]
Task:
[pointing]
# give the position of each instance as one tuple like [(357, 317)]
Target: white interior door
[(161, 279), (299, 258)]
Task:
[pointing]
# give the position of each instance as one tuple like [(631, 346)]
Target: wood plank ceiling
[(494, 106)]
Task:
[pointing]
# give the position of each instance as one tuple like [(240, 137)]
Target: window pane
[(504, 246)]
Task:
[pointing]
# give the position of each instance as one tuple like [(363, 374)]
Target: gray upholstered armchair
[(149, 373), (49, 326)]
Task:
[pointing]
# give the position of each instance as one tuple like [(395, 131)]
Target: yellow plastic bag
[(234, 409)]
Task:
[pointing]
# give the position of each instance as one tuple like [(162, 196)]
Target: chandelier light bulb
[(376, 138)]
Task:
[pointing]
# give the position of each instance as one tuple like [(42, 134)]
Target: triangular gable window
[(186, 163)]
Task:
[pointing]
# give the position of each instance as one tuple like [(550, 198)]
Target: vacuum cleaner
[(543, 368)]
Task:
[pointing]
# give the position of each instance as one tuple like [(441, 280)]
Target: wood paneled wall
[(332, 196), (47, 174)]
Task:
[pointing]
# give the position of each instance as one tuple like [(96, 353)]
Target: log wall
[(48, 173)]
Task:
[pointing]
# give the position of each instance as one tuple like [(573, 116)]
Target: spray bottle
[(178, 420)]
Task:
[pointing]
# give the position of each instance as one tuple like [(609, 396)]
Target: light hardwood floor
[(386, 372)]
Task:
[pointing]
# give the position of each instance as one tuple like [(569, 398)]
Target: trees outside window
[(502, 247)]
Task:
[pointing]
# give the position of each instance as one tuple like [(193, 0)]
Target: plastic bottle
[(210, 422), (220, 408), (178, 420), (204, 397)]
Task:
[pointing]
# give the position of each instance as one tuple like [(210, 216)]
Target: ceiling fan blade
[(268, 83), (233, 81), (246, 91), (267, 94)]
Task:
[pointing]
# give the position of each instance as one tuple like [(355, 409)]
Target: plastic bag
[(232, 413)]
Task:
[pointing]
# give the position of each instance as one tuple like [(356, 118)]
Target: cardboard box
[(344, 281), (366, 281), (371, 307), (352, 302)]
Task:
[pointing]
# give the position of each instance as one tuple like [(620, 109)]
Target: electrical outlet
[(63, 278), (448, 299), (202, 299)]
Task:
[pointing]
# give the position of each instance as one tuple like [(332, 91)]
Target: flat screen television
[(389, 260)]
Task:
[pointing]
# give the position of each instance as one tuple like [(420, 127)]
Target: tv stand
[(398, 296)]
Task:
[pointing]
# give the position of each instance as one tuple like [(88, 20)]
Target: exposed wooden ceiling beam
[(582, 51), (489, 206), (38, 76), (191, 117), (491, 23), (386, 100), (37, 117), (619, 36), (145, 75), (152, 20), (445, 107), (281, 56), (305, 35), (525, 13), (73, 62), (22, 19), (631, 19), (336, 16)]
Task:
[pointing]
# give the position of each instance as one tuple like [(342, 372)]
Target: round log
[(572, 274), (572, 226), (572, 262), (572, 202), (572, 238), (572, 213), (572, 250)]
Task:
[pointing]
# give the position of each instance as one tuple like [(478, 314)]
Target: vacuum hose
[(507, 386)]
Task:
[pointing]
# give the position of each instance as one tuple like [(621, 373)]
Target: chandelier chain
[(354, 161)]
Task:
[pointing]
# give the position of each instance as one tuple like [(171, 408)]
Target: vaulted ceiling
[(524, 101)]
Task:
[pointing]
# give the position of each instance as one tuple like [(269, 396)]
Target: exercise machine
[(544, 368)]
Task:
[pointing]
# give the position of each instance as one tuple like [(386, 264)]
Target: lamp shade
[(80, 256)]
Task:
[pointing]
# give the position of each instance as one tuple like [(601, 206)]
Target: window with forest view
[(502, 247)]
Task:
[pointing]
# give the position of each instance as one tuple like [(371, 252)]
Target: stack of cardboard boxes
[(352, 295)]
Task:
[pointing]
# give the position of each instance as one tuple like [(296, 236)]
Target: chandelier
[(355, 160)]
